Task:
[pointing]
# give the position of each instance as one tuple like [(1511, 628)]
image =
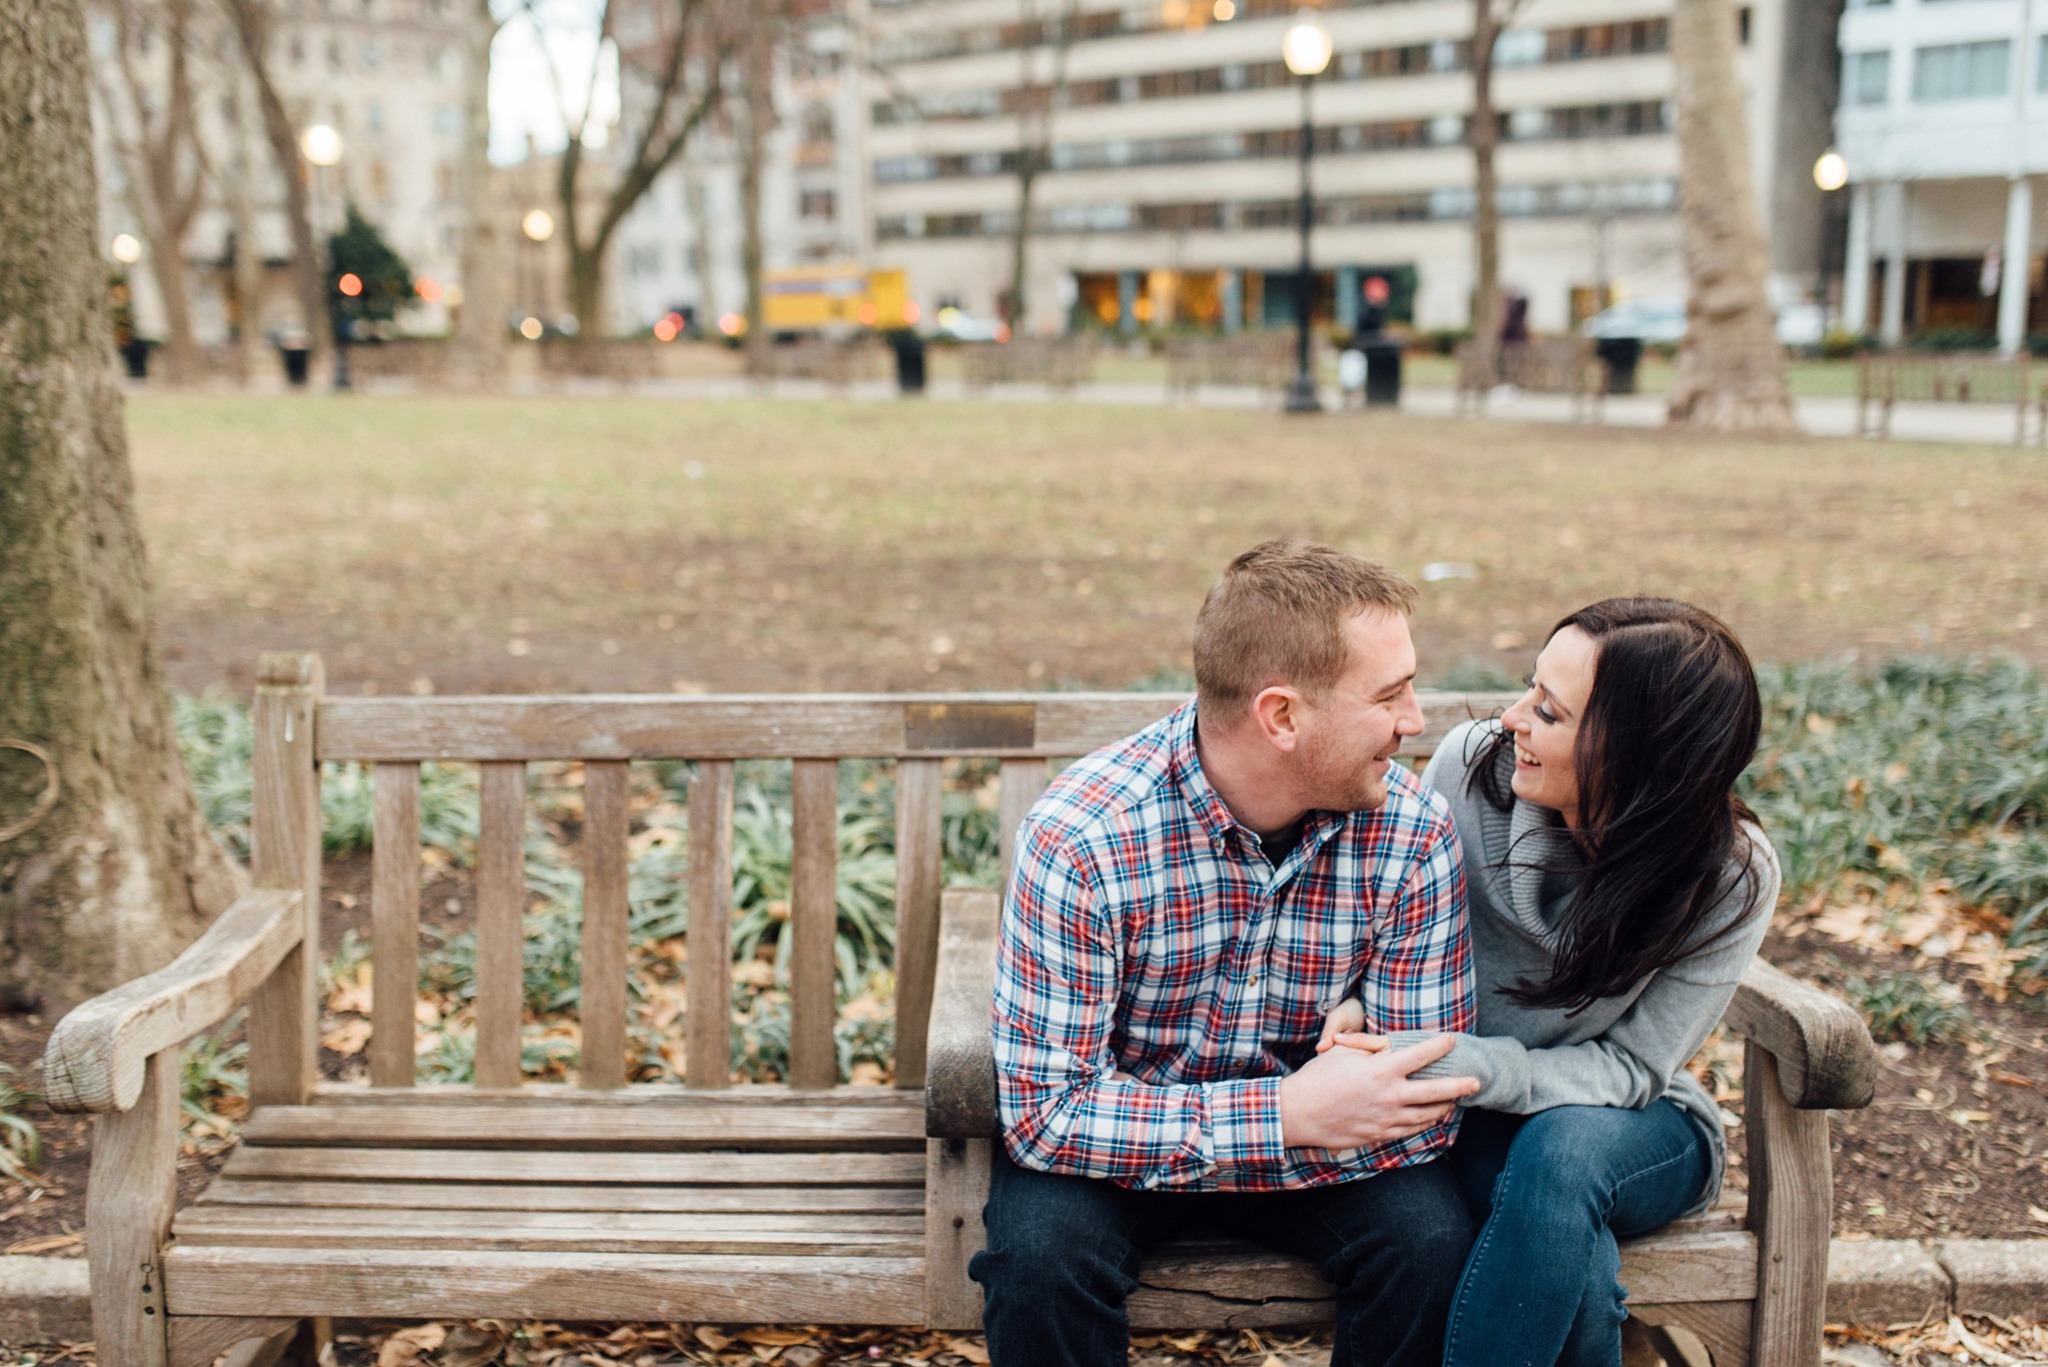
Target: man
[(1186, 906)]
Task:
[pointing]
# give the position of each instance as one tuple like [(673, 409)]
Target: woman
[(1618, 889)]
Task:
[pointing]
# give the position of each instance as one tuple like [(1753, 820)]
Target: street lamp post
[(1830, 173), (321, 146), (1306, 50)]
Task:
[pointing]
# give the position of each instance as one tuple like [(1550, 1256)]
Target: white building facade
[(388, 75), (1943, 123), (1174, 177)]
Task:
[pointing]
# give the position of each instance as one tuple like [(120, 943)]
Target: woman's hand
[(1342, 1026)]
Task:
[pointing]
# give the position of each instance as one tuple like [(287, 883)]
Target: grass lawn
[(599, 543)]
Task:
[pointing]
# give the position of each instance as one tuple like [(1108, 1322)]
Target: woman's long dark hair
[(1671, 723)]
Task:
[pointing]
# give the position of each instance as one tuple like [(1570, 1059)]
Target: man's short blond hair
[(1277, 617)]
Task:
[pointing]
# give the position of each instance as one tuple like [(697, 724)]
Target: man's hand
[(1346, 1017), (1349, 1098)]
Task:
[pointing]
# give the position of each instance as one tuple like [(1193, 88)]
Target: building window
[(2041, 67), (1961, 71), (1520, 47), (372, 58), (448, 120), (818, 204), (1867, 78), (374, 117)]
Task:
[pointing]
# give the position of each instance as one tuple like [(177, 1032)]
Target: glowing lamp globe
[(127, 249), (320, 145), (1307, 47), (538, 224), (1831, 171)]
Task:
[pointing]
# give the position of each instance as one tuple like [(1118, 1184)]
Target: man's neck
[(1239, 768)]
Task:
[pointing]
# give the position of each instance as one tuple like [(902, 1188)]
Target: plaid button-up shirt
[(1157, 976)]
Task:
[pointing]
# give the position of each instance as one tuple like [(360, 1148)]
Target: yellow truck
[(829, 297)]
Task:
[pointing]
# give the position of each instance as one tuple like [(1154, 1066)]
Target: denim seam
[(1486, 1235)]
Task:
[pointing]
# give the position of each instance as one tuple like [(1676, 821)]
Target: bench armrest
[(98, 1052), (1825, 1058), (960, 1053)]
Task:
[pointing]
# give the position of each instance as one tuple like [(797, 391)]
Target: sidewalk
[(1991, 424)]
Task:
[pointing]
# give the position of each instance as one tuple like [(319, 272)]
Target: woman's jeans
[(1552, 1192), (1064, 1253)]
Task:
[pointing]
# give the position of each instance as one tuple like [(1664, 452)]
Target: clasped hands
[(1357, 1092)]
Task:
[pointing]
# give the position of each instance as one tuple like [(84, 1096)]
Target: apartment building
[(388, 75), (1943, 123), (679, 250), (1171, 193)]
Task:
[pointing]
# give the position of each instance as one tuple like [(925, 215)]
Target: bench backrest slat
[(707, 1027), (920, 877), (605, 944), (500, 923), (1030, 735), (813, 923), (394, 922)]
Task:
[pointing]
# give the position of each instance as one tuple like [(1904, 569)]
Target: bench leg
[(196, 1340), (1791, 1190), (128, 1205), (1723, 1326), (955, 1190)]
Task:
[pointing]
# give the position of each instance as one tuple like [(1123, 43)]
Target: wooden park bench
[(1542, 365), (1953, 377), (807, 1201), (1265, 360), (838, 361), (1060, 362)]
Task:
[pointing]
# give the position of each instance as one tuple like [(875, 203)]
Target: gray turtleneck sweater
[(1627, 1050)]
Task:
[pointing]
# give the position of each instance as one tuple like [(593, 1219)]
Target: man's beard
[(1337, 779)]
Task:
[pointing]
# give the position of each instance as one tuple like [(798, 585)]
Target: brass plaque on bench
[(956, 727)]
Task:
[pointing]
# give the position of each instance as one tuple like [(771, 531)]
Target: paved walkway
[(1826, 417)]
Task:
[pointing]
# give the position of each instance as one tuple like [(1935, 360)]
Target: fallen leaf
[(968, 1349), (711, 1338), (778, 1338), (348, 1038), (49, 1243), (470, 1345), (352, 993), (2037, 1214), (1969, 1117), (2009, 1079), (409, 1346)]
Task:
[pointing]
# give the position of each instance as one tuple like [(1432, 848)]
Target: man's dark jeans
[(1063, 1254)]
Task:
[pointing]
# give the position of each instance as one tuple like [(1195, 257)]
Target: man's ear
[(1276, 713)]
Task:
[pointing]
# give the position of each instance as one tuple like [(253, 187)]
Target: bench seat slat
[(612, 1129), (557, 1231), (216, 1221), (756, 1202), (491, 1284), (531, 1165), (652, 1095), (1228, 1284)]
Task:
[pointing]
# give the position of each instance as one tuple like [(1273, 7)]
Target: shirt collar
[(1186, 765)]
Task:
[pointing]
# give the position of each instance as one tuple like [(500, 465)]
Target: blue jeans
[(1063, 1254), (1552, 1193)]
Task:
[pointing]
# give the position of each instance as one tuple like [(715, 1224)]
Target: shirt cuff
[(1244, 1123)]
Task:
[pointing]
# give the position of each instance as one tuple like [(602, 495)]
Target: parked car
[(962, 326), (1663, 320), (1644, 320)]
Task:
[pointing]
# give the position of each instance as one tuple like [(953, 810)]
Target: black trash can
[(295, 362), (909, 349), (135, 354), (1622, 355), (1382, 372)]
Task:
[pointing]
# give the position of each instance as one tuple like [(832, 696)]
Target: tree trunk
[(1731, 370), (121, 871), (586, 289), (759, 99), (181, 348), (252, 28), (480, 323), (1484, 134)]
